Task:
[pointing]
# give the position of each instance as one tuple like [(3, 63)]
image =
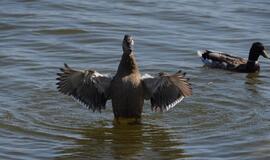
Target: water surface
[(226, 118)]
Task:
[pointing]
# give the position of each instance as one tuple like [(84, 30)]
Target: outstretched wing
[(88, 87), (165, 91)]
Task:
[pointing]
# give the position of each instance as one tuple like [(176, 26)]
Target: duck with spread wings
[(127, 89)]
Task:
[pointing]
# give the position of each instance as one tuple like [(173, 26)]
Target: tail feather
[(204, 58), (200, 53)]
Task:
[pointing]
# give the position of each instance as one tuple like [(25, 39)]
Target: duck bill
[(265, 54)]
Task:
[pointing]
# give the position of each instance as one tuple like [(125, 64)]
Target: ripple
[(6, 27), (63, 31), (226, 118)]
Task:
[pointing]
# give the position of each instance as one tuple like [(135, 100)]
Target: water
[(226, 118)]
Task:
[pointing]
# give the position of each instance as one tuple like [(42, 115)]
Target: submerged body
[(226, 61), (127, 89)]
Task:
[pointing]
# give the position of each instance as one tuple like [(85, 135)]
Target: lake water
[(228, 116)]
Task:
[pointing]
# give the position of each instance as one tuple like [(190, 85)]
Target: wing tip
[(66, 65), (166, 108), (172, 105)]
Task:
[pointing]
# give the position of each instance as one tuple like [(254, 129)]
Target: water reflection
[(251, 81), (252, 76), (125, 142)]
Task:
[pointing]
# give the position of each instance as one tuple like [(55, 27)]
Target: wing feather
[(221, 60), (88, 87), (165, 91)]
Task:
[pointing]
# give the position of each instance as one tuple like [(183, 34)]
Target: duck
[(127, 89), (216, 59)]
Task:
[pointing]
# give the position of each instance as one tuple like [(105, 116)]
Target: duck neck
[(252, 60), (128, 64)]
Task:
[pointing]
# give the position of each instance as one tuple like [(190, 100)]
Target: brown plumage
[(88, 87), (127, 89), (226, 61)]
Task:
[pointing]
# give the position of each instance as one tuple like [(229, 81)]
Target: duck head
[(127, 44), (257, 49)]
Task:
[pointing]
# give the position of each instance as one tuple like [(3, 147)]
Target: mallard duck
[(226, 61), (127, 89)]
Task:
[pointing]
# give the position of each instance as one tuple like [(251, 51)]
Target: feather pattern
[(217, 59), (165, 91), (87, 87)]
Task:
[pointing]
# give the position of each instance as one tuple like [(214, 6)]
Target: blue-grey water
[(228, 116)]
